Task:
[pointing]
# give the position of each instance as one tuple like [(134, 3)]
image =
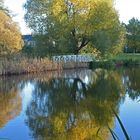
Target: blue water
[(71, 105)]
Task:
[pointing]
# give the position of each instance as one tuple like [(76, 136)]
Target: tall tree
[(71, 24), (133, 34), (10, 36)]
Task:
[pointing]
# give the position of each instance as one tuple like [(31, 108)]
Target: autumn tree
[(10, 36), (71, 25)]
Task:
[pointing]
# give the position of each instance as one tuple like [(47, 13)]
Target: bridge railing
[(73, 58)]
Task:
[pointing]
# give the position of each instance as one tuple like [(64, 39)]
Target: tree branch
[(84, 42)]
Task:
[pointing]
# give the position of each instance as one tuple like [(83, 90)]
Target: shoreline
[(21, 65), (64, 67)]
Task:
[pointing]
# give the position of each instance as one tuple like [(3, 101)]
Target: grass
[(123, 59), (128, 56), (127, 59)]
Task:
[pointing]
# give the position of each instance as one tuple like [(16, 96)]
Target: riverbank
[(18, 65), (118, 61), (22, 65), (127, 59)]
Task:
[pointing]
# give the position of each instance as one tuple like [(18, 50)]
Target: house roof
[(27, 37)]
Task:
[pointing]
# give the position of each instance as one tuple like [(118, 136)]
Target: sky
[(16, 7), (126, 8)]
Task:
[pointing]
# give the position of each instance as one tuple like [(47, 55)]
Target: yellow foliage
[(10, 37), (84, 129), (10, 106), (59, 123), (88, 130), (72, 24)]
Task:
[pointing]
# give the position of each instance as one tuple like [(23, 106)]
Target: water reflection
[(132, 83), (72, 108), (70, 105), (10, 101)]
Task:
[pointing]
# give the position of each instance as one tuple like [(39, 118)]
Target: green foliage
[(28, 50), (127, 59), (133, 83), (133, 35), (67, 26), (102, 41)]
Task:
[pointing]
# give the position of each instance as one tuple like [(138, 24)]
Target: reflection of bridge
[(86, 75)]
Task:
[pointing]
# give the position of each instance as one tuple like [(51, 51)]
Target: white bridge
[(73, 58)]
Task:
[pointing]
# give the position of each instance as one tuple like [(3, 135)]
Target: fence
[(73, 58)]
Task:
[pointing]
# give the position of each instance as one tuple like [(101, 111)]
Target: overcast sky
[(127, 9), (16, 6)]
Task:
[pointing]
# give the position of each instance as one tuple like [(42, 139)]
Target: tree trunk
[(76, 52)]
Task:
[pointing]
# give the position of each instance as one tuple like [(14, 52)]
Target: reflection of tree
[(70, 109), (132, 82), (107, 91), (10, 101)]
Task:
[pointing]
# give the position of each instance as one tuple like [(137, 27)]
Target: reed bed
[(21, 65)]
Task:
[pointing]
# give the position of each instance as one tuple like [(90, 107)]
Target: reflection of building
[(28, 40)]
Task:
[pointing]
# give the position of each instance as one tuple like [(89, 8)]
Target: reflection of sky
[(26, 95), (86, 80), (130, 117), (15, 130), (19, 130), (86, 76)]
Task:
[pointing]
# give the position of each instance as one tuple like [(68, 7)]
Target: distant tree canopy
[(133, 35), (2, 7), (1, 4), (68, 26), (10, 36)]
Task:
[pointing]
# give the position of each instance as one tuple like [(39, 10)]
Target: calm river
[(71, 105)]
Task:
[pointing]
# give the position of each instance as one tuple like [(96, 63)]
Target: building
[(28, 40)]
